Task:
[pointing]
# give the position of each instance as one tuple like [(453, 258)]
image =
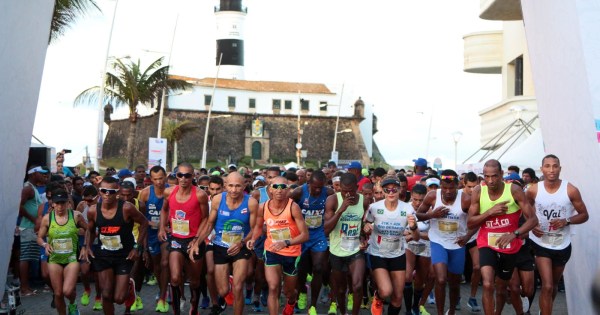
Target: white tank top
[(446, 231), (553, 206)]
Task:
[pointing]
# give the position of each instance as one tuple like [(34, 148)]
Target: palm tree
[(65, 13), (173, 131), (128, 85)]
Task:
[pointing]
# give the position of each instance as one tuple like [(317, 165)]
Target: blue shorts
[(259, 247), (317, 242), (453, 258), (154, 246), (289, 264)]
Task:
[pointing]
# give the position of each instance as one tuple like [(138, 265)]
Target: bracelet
[(412, 228)]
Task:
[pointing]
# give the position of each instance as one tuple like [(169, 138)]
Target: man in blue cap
[(420, 167), (356, 168), (123, 173)]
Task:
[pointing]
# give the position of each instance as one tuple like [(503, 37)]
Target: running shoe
[(525, 302), (73, 309), (423, 311), (350, 303), (97, 305), (131, 296), (365, 303), (205, 302), (431, 299), (302, 301), (263, 297), (152, 280), (85, 298), (309, 278), (377, 306), (457, 307), (138, 303), (288, 309), (216, 310), (256, 306), (312, 311), (324, 298), (472, 304), (332, 309), (162, 306)]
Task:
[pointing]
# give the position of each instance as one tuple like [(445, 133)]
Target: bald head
[(234, 177), (494, 164)]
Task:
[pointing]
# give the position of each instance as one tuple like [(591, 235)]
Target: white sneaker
[(525, 302)]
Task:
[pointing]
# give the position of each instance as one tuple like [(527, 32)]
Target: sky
[(403, 58)]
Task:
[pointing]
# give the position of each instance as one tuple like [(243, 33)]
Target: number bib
[(63, 245), (448, 227), (552, 238), (350, 243), (110, 242), (313, 221), (155, 220), (181, 227), (390, 244), (280, 234), (417, 248), (493, 238), (231, 237)]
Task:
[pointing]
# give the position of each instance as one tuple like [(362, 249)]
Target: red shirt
[(184, 217), (413, 180)]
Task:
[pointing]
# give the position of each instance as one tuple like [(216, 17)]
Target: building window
[(323, 106), (252, 103), (288, 104), (519, 76), (276, 104), (304, 104), (207, 99), (231, 101)]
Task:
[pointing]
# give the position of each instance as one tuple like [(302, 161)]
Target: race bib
[(63, 245), (493, 237), (390, 244), (350, 243), (313, 221), (280, 234), (181, 227), (110, 242), (155, 220), (552, 238), (448, 226), (231, 237), (417, 248)]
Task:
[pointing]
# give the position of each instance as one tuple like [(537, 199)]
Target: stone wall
[(226, 137)]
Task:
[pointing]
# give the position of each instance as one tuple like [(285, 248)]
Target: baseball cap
[(130, 180), (60, 197), (232, 166), (420, 162), (37, 169), (432, 181), (354, 164), (216, 173), (512, 176), (261, 178), (390, 180), (365, 172), (124, 172)]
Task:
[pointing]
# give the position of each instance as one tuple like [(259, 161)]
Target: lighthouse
[(230, 16)]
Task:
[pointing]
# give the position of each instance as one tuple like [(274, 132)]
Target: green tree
[(66, 13), (173, 131), (127, 84)]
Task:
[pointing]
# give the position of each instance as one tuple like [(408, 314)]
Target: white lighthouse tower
[(230, 16)]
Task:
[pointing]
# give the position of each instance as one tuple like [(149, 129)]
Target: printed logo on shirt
[(379, 211), (179, 214)]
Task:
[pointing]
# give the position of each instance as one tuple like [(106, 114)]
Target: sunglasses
[(203, 187), (60, 202), (186, 175), (447, 177), (390, 190), (279, 186), (109, 191), (89, 199)]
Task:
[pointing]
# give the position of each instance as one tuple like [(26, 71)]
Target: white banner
[(157, 152)]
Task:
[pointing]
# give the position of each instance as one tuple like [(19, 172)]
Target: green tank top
[(31, 206), (63, 239), (485, 203), (344, 239)]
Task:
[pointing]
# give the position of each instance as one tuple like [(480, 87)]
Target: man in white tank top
[(558, 204)]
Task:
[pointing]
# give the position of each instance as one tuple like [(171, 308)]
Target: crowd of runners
[(362, 238)]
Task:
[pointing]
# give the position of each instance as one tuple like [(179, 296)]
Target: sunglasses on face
[(447, 177), (203, 187), (109, 191), (279, 186), (390, 190), (185, 175)]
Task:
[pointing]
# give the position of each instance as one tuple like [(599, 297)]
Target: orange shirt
[(281, 227)]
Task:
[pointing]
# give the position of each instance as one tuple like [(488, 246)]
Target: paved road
[(40, 304)]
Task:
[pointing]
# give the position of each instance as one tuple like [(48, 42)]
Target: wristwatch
[(568, 221), (287, 243), (517, 233)]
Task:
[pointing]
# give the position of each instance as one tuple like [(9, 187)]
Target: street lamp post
[(212, 99), (164, 93), (299, 143), (456, 137)]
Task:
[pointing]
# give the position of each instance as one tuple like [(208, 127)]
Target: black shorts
[(119, 264), (209, 247), (525, 260), (502, 263), (471, 245), (180, 245), (390, 264), (559, 257), (343, 263), (221, 257)]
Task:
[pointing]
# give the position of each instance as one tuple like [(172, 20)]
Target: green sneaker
[(332, 309), (138, 303), (162, 306), (97, 305), (85, 298), (423, 311), (312, 311), (302, 301), (152, 280), (309, 278), (350, 303), (73, 309)]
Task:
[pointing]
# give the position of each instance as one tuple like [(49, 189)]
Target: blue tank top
[(232, 225), (264, 196), (313, 209), (153, 207)]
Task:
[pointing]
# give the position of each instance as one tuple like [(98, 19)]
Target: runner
[(311, 198), (232, 216), (185, 210), (62, 225), (286, 230), (386, 222), (495, 210), (558, 205), (114, 258), (470, 181), (448, 235), (344, 212)]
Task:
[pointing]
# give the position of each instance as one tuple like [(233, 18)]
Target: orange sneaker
[(288, 309), (377, 306), (132, 296)]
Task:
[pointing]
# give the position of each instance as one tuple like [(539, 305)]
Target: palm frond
[(66, 13)]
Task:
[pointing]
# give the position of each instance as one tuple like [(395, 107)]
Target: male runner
[(471, 180)]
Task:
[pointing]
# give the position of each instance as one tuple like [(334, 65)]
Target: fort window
[(252, 103), (207, 99), (304, 104), (288, 104), (276, 104), (231, 101)]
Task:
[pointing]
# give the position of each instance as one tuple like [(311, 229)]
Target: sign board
[(437, 163), (157, 152)]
